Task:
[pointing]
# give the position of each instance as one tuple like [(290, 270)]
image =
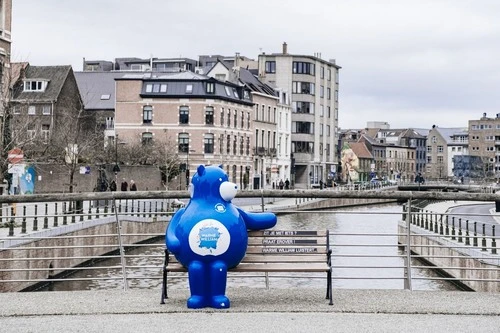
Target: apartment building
[(208, 120), (484, 142), (270, 125), (314, 85), (443, 144)]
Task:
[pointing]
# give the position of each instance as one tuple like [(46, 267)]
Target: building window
[(303, 107), (31, 131), (35, 85), (228, 91), (248, 120), (303, 88), (222, 116), (228, 117), (46, 109), (45, 133), (242, 119), (209, 115), (184, 115), (270, 66), (235, 144), (221, 144), (228, 144), (439, 149), (189, 89), (31, 110), (210, 88), (209, 143), (299, 67), (440, 159), (321, 91), (235, 119), (16, 109), (322, 72), (147, 138), (183, 140), (328, 93), (328, 74), (147, 114), (247, 148)]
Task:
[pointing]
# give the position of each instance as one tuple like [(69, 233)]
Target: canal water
[(381, 268)]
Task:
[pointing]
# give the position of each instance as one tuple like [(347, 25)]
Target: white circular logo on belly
[(209, 237)]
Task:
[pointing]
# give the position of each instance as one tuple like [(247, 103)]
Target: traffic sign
[(15, 156)]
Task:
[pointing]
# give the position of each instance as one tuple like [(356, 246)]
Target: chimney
[(237, 60), (285, 48)]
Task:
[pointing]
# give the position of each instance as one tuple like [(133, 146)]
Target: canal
[(382, 271)]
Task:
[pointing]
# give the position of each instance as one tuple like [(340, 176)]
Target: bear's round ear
[(221, 166), (201, 170)]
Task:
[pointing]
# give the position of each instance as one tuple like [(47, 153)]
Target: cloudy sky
[(411, 63)]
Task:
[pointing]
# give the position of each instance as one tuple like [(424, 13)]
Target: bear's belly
[(209, 240)]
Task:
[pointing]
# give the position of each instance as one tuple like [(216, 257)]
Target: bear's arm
[(256, 221), (171, 240)]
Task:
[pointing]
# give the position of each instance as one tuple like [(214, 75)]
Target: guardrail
[(91, 230)]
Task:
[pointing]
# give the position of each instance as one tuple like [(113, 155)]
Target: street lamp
[(116, 168)]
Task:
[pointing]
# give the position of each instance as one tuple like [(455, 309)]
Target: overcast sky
[(412, 63)]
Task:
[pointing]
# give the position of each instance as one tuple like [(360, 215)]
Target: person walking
[(112, 186), (133, 187), (124, 185)]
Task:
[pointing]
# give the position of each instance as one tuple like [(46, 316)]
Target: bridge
[(141, 216)]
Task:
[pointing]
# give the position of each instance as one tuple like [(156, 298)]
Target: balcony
[(260, 151), (272, 151)]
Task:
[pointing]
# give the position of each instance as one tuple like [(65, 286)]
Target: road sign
[(15, 156)]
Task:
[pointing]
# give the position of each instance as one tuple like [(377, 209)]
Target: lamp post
[(116, 168)]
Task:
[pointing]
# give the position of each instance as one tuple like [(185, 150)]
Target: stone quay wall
[(472, 263), (38, 260)]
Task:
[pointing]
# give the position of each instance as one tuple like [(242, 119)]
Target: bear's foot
[(196, 302), (220, 302)]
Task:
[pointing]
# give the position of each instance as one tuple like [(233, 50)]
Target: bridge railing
[(126, 230)]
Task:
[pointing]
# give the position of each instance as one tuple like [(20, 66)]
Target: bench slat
[(265, 267)]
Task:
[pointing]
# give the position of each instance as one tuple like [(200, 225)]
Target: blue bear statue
[(209, 236)]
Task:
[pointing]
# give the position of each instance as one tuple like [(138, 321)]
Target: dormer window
[(35, 85)]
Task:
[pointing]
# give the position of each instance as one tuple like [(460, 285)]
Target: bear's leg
[(197, 285), (218, 278)]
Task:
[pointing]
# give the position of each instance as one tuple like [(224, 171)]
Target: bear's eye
[(220, 179)]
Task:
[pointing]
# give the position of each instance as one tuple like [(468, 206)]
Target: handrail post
[(483, 242), (121, 248), (467, 239), (407, 281), (474, 241)]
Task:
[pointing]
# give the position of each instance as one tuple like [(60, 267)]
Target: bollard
[(80, 211), (447, 228), (474, 241), (126, 205), (56, 223), (97, 211), (23, 223), (162, 210), (467, 239), (89, 215), (35, 220), (11, 227), (493, 241), (483, 241), (12, 222), (105, 207), (65, 216), (144, 209), (132, 208), (150, 209), (46, 217), (453, 228), (460, 230)]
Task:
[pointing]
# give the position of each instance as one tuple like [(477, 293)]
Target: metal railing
[(42, 242)]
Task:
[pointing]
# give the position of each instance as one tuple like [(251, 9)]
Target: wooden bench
[(275, 251)]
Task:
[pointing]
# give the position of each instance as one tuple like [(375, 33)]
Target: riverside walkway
[(252, 310)]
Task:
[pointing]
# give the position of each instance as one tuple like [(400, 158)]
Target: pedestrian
[(124, 185), (133, 187), (112, 186), (281, 184), (287, 184)]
